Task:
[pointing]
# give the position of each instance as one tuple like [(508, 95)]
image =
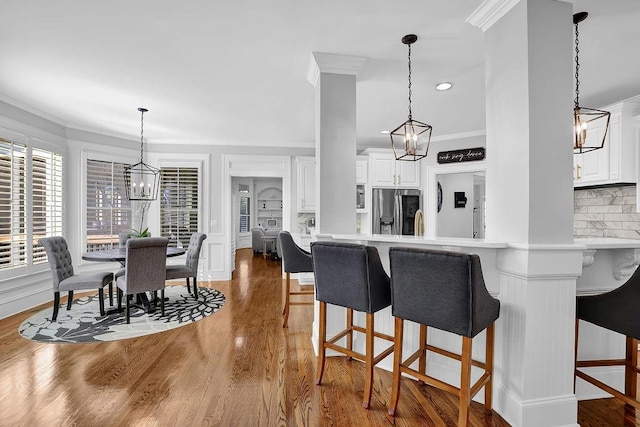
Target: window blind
[(178, 203), (46, 199), (108, 209)]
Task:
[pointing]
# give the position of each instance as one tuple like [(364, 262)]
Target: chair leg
[(195, 287), (488, 387), (128, 306), (422, 361), (188, 285), (368, 363), (69, 300), (322, 338), (111, 293), (101, 301), (397, 361), (56, 305), (119, 298), (630, 373), (162, 302), (465, 382), (350, 328), (287, 289)]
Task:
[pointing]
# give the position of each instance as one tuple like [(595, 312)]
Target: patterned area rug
[(83, 323)]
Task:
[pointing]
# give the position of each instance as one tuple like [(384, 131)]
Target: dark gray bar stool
[(350, 276), (617, 311), (294, 260), (444, 290)]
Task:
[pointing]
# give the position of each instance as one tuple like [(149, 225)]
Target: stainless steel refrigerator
[(394, 210)]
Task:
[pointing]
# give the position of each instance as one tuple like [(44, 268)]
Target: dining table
[(120, 255)]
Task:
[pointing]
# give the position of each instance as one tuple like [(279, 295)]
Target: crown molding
[(489, 12), (334, 64)]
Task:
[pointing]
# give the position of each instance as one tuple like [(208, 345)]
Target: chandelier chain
[(409, 81), (141, 133), (576, 102)]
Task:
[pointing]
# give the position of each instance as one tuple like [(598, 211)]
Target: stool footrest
[(601, 362), (626, 399), (302, 293), (455, 356)]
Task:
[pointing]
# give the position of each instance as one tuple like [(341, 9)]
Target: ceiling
[(234, 72)]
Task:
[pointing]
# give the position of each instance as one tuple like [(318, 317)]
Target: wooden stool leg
[(350, 328), (322, 338), (287, 290), (488, 387), (422, 361), (630, 375), (397, 361), (465, 382), (368, 362)]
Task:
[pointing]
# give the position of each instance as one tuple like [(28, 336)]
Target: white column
[(334, 77), (530, 205)]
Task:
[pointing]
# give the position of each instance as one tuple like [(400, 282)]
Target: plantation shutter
[(108, 209), (13, 233), (178, 203), (46, 199)]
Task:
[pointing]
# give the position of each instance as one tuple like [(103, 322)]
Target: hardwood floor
[(238, 367)]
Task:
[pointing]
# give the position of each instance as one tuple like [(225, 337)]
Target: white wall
[(452, 221)]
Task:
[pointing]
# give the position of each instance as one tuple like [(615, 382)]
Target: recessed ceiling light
[(385, 132), (443, 86)]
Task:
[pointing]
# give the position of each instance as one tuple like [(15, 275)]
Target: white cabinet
[(306, 184), (616, 161), (386, 171), (361, 171)]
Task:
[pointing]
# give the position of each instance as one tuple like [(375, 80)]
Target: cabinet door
[(408, 174), (361, 171), (383, 170), (306, 185), (593, 167)]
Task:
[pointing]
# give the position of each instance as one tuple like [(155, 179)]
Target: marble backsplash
[(606, 212)]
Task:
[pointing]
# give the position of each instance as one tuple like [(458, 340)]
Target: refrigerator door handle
[(398, 214)]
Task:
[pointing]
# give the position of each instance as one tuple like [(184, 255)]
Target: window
[(245, 217), (108, 209), (178, 203), (30, 202)]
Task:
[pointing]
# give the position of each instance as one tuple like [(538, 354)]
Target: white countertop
[(591, 243)]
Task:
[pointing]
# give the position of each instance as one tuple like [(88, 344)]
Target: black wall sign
[(466, 155)]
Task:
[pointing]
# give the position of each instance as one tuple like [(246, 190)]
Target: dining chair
[(351, 276), (190, 268), (144, 271), (65, 279)]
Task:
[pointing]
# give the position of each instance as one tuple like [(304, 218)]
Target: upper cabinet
[(361, 170), (306, 184), (616, 161), (388, 172)]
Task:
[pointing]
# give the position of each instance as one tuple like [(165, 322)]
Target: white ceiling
[(234, 72)]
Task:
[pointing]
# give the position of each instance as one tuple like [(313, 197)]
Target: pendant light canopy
[(141, 180), (407, 139), (582, 116)]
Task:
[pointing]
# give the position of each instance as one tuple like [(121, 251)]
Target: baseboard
[(557, 411)]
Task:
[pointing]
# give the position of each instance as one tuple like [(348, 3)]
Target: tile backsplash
[(606, 212)]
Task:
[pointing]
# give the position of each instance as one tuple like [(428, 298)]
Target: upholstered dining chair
[(65, 279), (294, 260), (617, 311), (145, 270), (190, 268), (351, 276), (443, 290)]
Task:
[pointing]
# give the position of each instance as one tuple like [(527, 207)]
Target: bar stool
[(444, 290), (294, 260), (350, 276), (617, 311)]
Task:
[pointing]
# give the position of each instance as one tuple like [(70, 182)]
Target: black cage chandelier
[(407, 138), (141, 180), (582, 116)]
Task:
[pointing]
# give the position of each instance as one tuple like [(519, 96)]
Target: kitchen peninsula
[(605, 264)]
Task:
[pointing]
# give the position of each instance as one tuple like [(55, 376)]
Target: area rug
[(83, 323)]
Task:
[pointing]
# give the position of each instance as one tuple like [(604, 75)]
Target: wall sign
[(466, 155)]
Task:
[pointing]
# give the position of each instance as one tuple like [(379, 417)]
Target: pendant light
[(582, 116), (141, 180), (407, 138)]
